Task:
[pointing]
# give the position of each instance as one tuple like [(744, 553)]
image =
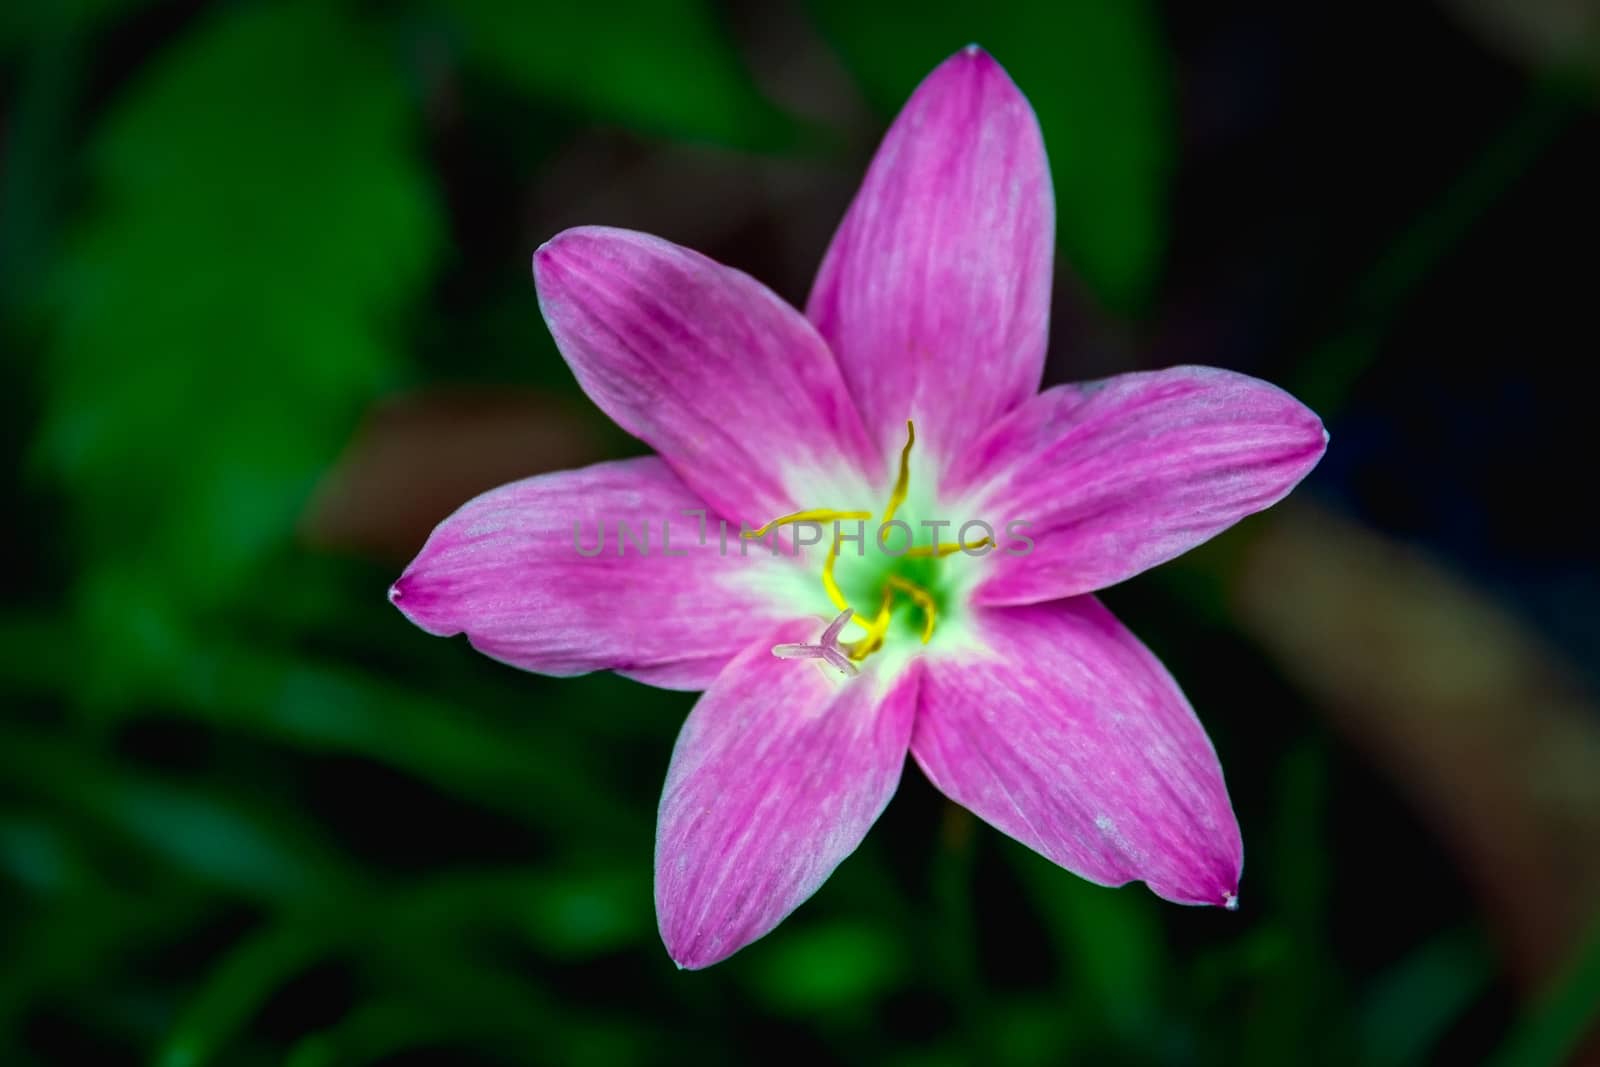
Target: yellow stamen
[(902, 483), (920, 597), (832, 586), (811, 515), (880, 626), (944, 549)]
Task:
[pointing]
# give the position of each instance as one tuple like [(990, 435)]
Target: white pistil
[(826, 649)]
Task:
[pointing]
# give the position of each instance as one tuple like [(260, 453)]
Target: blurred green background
[(266, 317)]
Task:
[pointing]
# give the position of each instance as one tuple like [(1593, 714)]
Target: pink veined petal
[(693, 675), (510, 571), (1116, 476), (935, 292), (779, 772), (730, 384), (1067, 734)]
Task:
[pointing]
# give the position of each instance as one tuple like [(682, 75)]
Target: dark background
[(266, 317)]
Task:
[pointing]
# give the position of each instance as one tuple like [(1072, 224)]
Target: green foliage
[(1407, 1009), (661, 66), (27, 24), (233, 299), (829, 968), (1563, 1016), (1111, 943), (1095, 71)]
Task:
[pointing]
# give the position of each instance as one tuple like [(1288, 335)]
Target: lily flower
[(903, 403)]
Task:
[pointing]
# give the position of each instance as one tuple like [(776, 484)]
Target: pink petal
[(731, 385), (936, 290), (779, 772), (506, 571), (1066, 733), (1116, 476)]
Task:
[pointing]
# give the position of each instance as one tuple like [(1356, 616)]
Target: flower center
[(910, 578)]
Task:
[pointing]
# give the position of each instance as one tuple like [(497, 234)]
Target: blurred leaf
[(261, 217), (566, 911), (1095, 71), (1408, 1009), (1295, 990), (471, 996), (1109, 941), (827, 968), (234, 989), (433, 996), (377, 1029), (584, 913), (1463, 704), (385, 1030), (84, 936), (39, 856), (1540, 34), (952, 928), (327, 707), (570, 913), (661, 66), (28, 24), (1328, 373), (1559, 1019), (35, 151), (242, 846)]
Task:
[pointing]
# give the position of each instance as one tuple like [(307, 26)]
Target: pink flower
[(1018, 694)]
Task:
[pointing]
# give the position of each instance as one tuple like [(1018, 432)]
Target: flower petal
[(510, 570), (1116, 476), (1062, 730), (935, 292), (779, 772), (731, 385)]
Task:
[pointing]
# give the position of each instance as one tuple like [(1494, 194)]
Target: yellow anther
[(902, 483), (920, 597), (880, 626), (812, 515), (832, 586), (944, 549)]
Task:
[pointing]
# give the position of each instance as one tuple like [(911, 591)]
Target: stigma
[(826, 649)]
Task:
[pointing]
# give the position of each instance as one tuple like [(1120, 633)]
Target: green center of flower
[(888, 569)]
